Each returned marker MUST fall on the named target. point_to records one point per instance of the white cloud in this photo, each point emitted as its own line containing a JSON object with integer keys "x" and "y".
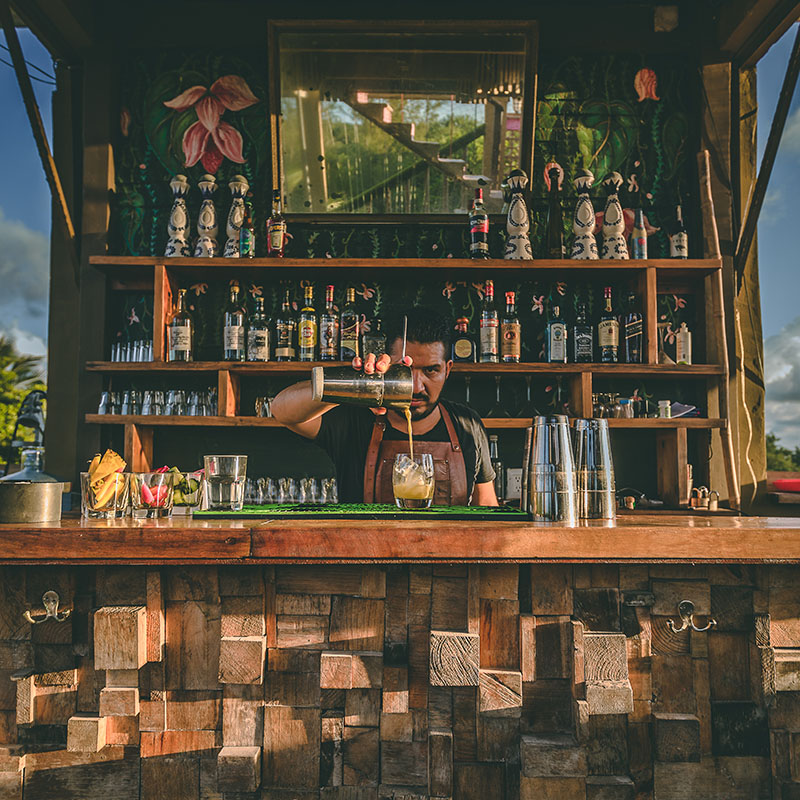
{"x": 24, "y": 285}
{"x": 791, "y": 133}
{"x": 782, "y": 377}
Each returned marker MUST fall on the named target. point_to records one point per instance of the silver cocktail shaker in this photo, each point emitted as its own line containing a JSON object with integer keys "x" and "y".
{"x": 391, "y": 389}
{"x": 551, "y": 472}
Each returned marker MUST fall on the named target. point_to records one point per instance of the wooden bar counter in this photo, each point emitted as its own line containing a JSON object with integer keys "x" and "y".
{"x": 338, "y": 660}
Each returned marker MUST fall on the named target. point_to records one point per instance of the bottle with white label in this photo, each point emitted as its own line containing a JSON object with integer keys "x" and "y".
{"x": 233, "y": 340}
{"x": 679, "y": 240}
{"x": 683, "y": 345}
{"x": 556, "y": 338}
{"x": 179, "y": 332}
{"x": 258, "y": 333}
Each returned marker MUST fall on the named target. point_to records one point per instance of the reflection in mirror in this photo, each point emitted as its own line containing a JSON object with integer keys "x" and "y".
{"x": 391, "y": 122}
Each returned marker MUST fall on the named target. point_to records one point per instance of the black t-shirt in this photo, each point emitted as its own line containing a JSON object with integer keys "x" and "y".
{"x": 345, "y": 432}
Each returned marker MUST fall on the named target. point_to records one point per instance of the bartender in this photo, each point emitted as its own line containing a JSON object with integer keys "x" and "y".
{"x": 363, "y": 442}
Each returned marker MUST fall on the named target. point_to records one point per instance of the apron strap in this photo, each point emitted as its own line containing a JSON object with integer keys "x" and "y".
{"x": 458, "y": 469}
{"x": 370, "y": 465}
{"x": 451, "y": 431}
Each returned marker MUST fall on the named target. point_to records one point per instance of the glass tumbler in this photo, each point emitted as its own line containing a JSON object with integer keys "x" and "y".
{"x": 224, "y": 482}
{"x": 413, "y": 481}
{"x": 152, "y": 494}
{"x": 107, "y": 499}
{"x": 594, "y": 470}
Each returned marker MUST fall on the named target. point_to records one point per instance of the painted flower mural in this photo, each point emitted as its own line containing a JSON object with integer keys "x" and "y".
{"x": 209, "y": 140}
{"x": 645, "y": 84}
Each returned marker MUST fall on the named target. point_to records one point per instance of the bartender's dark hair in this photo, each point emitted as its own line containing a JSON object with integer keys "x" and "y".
{"x": 426, "y": 325}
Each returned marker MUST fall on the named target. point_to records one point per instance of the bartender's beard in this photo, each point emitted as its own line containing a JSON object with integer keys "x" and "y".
{"x": 425, "y": 410}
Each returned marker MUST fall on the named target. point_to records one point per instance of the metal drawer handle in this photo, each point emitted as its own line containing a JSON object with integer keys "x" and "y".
{"x": 50, "y": 601}
{"x": 686, "y": 611}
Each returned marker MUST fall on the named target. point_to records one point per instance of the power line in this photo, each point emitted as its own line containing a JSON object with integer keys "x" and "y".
{"x": 32, "y": 77}
{"x": 31, "y": 64}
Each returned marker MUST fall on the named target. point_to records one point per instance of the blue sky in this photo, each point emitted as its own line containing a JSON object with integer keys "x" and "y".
{"x": 25, "y": 230}
{"x": 24, "y": 206}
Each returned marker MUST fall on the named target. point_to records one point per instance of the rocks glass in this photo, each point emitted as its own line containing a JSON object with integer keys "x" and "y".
{"x": 224, "y": 483}
{"x": 108, "y": 500}
{"x": 152, "y": 494}
{"x": 413, "y": 481}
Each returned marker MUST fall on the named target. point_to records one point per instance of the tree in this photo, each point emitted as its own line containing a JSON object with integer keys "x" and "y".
{"x": 19, "y": 374}
{"x": 779, "y": 458}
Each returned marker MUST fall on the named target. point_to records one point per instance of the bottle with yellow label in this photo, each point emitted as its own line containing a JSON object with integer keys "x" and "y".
{"x": 465, "y": 348}
{"x": 307, "y": 329}
{"x": 510, "y": 338}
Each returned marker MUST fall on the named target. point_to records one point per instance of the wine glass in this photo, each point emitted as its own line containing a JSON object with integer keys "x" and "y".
{"x": 528, "y": 409}
{"x": 497, "y": 409}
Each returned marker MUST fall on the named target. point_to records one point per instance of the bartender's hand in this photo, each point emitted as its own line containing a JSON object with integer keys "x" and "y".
{"x": 370, "y": 365}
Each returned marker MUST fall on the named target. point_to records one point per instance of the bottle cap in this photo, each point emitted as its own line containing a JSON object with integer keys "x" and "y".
{"x": 510, "y": 297}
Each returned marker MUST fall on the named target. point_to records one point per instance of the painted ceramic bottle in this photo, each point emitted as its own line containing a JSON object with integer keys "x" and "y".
{"x": 518, "y": 245}
{"x": 178, "y": 225}
{"x": 614, "y": 244}
{"x": 206, "y": 246}
{"x": 584, "y": 245}
{"x": 239, "y": 188}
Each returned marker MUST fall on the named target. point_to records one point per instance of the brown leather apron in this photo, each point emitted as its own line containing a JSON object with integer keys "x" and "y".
{"x": 449, "y": 470}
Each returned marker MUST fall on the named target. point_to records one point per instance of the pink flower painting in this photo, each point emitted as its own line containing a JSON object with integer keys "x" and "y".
{"x": 210, "y": 140}
{"x": 645, "y": 84}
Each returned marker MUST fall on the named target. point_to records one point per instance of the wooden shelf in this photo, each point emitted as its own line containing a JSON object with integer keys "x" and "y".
{"x": 297, "y": 368}
{"x": 493, "y": 423}
{"x": 698, "y": 266}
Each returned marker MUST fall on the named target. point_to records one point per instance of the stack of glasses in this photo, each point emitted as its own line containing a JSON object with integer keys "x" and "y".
{"x": 139, "y": 350}
{"x": 563, "y": 488}
{"x": 312, "y": 491}
{"x": 174, "y": 402}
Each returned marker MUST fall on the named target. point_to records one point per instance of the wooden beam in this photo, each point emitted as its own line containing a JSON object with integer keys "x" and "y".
{"x": 748, "y": 28}
{"x": 63, "y": 26}
{"x": 748, "y": 230}
{"x": 39, "y": 135}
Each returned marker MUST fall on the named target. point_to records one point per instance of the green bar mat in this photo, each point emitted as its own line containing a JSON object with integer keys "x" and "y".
{"x": 367, "y": 511}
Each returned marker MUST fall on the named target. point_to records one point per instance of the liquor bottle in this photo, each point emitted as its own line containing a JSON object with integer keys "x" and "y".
{"x": 511, "y": 337}
{"x": 489, "y": 325}
{"x": 555, "y": 339}
{"x": 247, "y": 233}
{"x": 329, "y": 329}
{"x": 555, "y": 219}
{"x": 374, "y": 340}
{"x": 608, "y": 332}
{"x": 582, "y": 338}
{"x": 258, "y": 333}
{"x": 464, "y": 347}
{"x": 478, "y": 228}
{"x": 683, "y": 345}
{"x": 349, "y": 328}
{"x": 633, "y": 333}
{"x": 276, "y": 228}
{"x": 285, "y": 329}
{"x": 638, "y": 248}
{"x": 679, "y": 240}
{"x": 307, "y": 329}
{"x": 233, "y": 340}
{"x": 497, "y": 466}
{"x": 179, "y": 332}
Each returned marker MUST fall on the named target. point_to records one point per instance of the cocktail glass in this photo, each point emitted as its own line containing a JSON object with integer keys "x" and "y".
{"x": 413, "y": 481}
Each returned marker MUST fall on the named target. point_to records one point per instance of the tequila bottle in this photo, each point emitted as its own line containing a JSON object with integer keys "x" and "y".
{"x": 233, "y": 339}
{"x": 179, "y": 332}
{"x": 258, "y": 333}
{"x": 489, "y": 327}
{"x": 285, "y": 330}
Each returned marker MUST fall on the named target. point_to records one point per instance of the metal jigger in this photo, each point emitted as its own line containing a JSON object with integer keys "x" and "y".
{"x": 392, "y": 389}
{"x": 551, "y": 473}
{"x": 594, "y": 470}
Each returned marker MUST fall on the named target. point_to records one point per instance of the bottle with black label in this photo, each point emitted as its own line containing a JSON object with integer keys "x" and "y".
{"x": 258, "y": 333}
{"x": 478, "y": 228}
{"x": 633, "y": 332}
{"x": 179, "y": 332}
{"x": 608, "y": 332}
{"x": 276, "y": 228}
{"x": 489, "y": 351}
{"x": 679, "y": 240}
{"x": 349, "y": 328}
{"x": 285, "y": 331}
{"x": 555, "y": 340}
{"x": 497, "y": 466}
{"x": 582, "y": 338}
{"x": 307, "y": 329}
{"x": 510, "y": 332}
{"x": 233, "y": 340}
{"x": 464, "y": 347}
{"x": 329, "y": 329}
